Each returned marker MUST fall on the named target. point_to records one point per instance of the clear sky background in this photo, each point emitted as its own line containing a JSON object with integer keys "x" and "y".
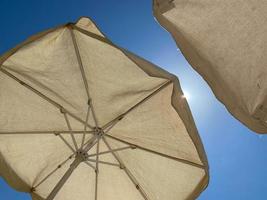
{"x": 237, "y": 156}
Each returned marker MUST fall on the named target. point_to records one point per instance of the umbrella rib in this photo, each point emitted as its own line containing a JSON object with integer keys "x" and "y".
{"x": 64, "y": 178}
{"x": 44, "y": 132}
{"x": 93, "y": 35}
{"x": 115, "y": 120}
{"x": 104, "y": 162}
{"x": 86, "y": 122}
{"x": 70, "y": 129}
{"x": 109, "y": 127}
{"x": 57, "y": 105}
{"x": 79, "y": 62}
{"x": 110, "y": 151}
{"x": 65, "y": 141}
{"x": 158, "y": 153}
{"x": 79, "y": 59}
{"x": 52, "y": 172}
{"x": 97, "y": 169}
{"x": 128, "y": 173}
{"x": 72, "y": 167}
{"x": 90, "y": 165}
{"x": 89, "y": 144}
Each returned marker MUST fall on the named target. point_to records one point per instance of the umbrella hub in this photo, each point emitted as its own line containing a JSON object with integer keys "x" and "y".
{"x": 98, "y": 131}
{"x": 81, "y": 155}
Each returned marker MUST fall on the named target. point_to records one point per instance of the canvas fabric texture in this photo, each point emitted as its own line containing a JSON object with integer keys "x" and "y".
{"x": 41, "y": 79}
{"x": 226, "y": 43}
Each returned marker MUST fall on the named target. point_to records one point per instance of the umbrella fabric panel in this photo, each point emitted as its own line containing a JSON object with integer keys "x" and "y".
{"x": 113, "y": 181}
{"x": 178, "y": 101}
{"x": 31, "y": 158}
{"x": 22, "y": 110}
{"x": 155, "y": 125}
{"x": 154, "y": 172}
{"x": 225, "y": 41}
{"x": 86, "y": 24}
{"x": 50, "y": 66}
{"x": 115, "y": 82}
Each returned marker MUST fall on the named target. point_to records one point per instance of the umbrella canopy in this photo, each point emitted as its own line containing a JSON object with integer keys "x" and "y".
{"x": 81, "y": 118}
{"x": 226, "y": 42}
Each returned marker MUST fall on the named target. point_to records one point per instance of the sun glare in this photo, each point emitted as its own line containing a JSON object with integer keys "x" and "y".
{"x": 186, "y": 95}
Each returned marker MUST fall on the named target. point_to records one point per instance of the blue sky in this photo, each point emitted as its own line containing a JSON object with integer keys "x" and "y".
{"x": 237, "y": 156}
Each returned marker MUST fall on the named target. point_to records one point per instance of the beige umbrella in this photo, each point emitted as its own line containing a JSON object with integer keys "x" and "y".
{"x": 82, "y": 119}
{"x": 226, "y": 42}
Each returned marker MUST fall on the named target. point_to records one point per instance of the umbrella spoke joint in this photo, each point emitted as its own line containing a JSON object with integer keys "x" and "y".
{"x": 62, "y": 110}
{"x": 89, "y": 102}
{"x": 32, "y": 190}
